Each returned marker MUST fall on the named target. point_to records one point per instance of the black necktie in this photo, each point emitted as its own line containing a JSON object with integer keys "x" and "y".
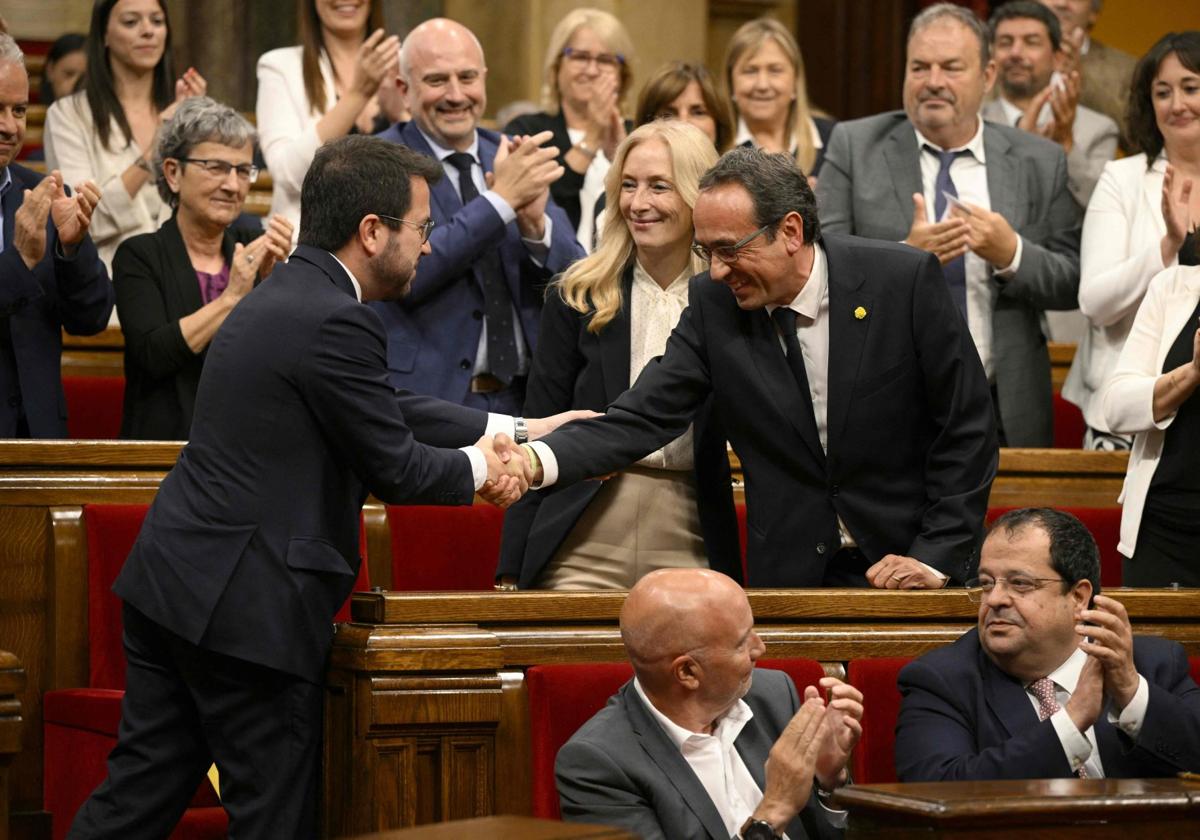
{"x": 785, "y": 319}
{"x": 497, "y": 299}
{"x": 955, "y": 271}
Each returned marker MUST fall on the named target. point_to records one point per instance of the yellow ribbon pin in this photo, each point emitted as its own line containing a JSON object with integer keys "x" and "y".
{"x": 860, "y": 312}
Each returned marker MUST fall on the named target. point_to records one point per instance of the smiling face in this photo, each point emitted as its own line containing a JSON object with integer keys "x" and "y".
{"x": 1175, "y": 93}
{"x": 344, "y": 17}
{"x": 1027, "y": 636}
{"x": 764, "y": 85}
{"x": 136, "y": 34}
{"x": 210, "y": 200}
{"x": 397, "y": 265}
{"x": 444, "y": 86}
{"x": 14, "y": 103}
{"x": 944, "y": 83}
{"x": 729, "y": 657}
{"x": 689, "y": 107}
{"x": 1024, "y": 57}
{"x": 657, "y": 216}
{"x": 576, "y": 80}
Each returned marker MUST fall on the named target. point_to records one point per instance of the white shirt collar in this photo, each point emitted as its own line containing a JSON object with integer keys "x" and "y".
{"x": 1066, "y": 675}
{"x": 808, "y": 301}
{"x": 353, "y": 279}
{"x": 441, "y": 152}
{"x": 727, "y": 729}
{"x": 974, "y": 146}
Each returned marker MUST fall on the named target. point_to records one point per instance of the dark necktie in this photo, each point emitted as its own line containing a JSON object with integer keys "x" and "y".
{"x": 785, "y": 319}
{"x": 955, "y": 271}
{"x": 497, "y": 299}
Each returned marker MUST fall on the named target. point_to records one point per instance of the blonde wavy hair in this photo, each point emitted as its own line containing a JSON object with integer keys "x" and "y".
{"x": 749, "y": 37}
{"x": 607, "y": 28}
{"x": 594, "y": 283}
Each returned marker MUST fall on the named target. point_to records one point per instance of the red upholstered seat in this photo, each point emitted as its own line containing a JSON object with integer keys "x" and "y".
{"x": 80, "y": 724}
{"x": 447, "y": 548}
{"x": 1069, "y": 425}
{"x": 873, "y": 761}
{"x": 1105, "y": 525}
{"x": 1194, "y": 662}
{"x": 563, "y": 698}
{"x": 94, "y": 406}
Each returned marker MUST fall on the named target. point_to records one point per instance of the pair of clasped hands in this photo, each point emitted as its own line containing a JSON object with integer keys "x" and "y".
{"x": 511, "y": 470}
{"x": 71, "y": 214}
{"x": 966, "y": 227}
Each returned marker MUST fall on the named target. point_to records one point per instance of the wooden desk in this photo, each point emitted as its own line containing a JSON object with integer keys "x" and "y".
{"x": 1040, "y": 808}
{"x": 504, "y": 828}
{"x": 12, "y": 681}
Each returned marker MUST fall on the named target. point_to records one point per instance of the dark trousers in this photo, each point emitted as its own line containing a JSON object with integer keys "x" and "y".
{"x": 184, "y": 708}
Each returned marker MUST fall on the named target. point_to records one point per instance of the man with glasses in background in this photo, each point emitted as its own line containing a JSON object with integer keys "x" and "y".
{"x": 1052, "y": 683}
{"x": 846, "y": 382}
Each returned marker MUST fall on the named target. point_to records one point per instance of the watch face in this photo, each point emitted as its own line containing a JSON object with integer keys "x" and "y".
{"x": 758, "y": 830}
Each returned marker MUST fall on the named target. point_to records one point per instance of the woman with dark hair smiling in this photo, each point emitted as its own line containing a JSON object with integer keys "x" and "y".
{"x": 684, "y": 90}
{"x": 107, "y": 132}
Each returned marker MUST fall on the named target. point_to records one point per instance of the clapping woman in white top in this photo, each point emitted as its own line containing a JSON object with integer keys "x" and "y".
{"x": 320, "y": 90}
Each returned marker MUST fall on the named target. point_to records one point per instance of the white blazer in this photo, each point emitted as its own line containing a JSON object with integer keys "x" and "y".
{"x": 74, "y": 147}
{"x": 287, "y": 125}
{"x": 1127, "y": 398}
{"x": 1119, "y": 254}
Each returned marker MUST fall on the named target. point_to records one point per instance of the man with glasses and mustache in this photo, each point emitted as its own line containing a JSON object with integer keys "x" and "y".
{"x": 844, "y": 378}
{"x": 1052, "y": 683}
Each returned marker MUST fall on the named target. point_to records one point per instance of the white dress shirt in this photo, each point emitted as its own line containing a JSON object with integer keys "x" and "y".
{"x": 590, "y": 192}
{"x": 653, "y": 314}
{"x": 969, "y": 174}
{"x": 1080, "y": 747}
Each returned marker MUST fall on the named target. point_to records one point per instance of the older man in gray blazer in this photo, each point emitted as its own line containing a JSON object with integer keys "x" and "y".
{"x": 990, "y": 201}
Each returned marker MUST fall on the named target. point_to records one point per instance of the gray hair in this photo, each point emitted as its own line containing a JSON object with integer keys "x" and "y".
{"x": 9, "y": 51}
{"x": 942, "y": 11}
{"x": 197, "y": 120}
{"x": 775, "y": 184}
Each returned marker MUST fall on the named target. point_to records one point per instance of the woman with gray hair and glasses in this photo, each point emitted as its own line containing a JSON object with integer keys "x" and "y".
{"x": 176, "y": 286}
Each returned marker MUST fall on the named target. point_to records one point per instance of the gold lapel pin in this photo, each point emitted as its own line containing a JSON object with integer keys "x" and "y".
{"x": 860, "y": 312}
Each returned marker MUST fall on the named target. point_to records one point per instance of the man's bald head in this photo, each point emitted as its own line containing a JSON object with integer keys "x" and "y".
{"x": 442, "y": 76}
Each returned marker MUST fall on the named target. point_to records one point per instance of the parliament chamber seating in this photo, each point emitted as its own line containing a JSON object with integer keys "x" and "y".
{"x": 1068, "y": 424}
{"x": 94, "y": 406}
{"x": 873, "y": 762}
{"x": 444, "y": 548}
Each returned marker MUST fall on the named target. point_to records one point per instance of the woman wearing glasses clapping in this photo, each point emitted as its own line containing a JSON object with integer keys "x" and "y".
{"x": 605, "y": 319}
{"x": 588, "y": 70}
{"x": 176, "y": 286}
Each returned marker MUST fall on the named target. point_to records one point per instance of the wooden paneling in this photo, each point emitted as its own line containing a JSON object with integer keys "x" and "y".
{"x": 12, "y": 727}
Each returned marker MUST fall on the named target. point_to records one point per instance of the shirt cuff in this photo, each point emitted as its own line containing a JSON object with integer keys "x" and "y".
{"x": 539, "y": 249}
{"x": 1013, "y": 267}
{"x": 497, "y": 423}
{"x": 549, "y": 464}
{"x": 942, "y": 576}
{"x": 1075, "y": 744}
{"x": 503, "y": 208}
{"x": 478, "y": 465}
{"x": 1132, "y": 716}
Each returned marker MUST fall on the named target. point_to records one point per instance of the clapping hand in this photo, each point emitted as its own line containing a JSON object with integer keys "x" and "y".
{"x": 843, "y": 715}
{"x": 276, "y": 244}
{"x": 946, "y": 240}
{"x": 1176, "y": 210}
{"x": 72, "y": 214}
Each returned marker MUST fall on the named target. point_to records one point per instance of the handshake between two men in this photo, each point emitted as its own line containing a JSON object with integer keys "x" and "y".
{"x": 513, "y": 468}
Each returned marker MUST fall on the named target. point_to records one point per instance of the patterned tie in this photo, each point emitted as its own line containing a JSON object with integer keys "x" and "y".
{"x": 955, "y": 271}
{"x": 1043, "y": 690}
{"x": 497, "y": 299}
{"x": 785, "y": 319}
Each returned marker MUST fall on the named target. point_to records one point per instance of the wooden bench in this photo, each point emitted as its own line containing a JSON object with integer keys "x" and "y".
{"x": 12, "y": 727}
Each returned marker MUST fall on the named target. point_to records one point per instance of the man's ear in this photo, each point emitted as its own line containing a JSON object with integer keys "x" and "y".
{"x": 371, "y": 236}
{"x": 1081, "y": 594}
{"x": 792, "y": 231}
{"x": 687, "y": 671}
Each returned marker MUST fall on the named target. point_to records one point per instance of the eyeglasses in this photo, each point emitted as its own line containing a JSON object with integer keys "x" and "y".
{"x": 1018, "y": 585}
{"x": 728, "y": 254}
{"x": 582, "y": 58}
{"x": 425, "y": 227}
{"x": 247, "y": 172}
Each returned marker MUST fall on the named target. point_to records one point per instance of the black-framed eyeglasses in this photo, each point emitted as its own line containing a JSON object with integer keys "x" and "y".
{"x": 728, "y": 254}
{"x": 605, "y": 61}
{"x": 425, "y": 227}
{"x": 247, "y": 172}
{"x": 1017, "y": 585}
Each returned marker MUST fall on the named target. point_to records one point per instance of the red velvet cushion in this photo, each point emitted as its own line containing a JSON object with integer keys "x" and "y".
{"x": 740, "y": 509}
{"x": 1105, "y": 525}
{"x": 111, "y": 532}
{"x": 450, "y": 548}
{"x": 202, "y": 823}
{"x": 1069, "y": 425}
{"x": 95, "y": 710}
{"x": 94, "y": 406}
{"x": 873, "y": 761}
{"x": 363, "y": 583}
{"x": 1194, "y": 661}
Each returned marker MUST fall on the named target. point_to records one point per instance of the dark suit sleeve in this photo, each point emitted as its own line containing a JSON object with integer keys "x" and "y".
{"x": 455, "y": 245}
{"x": 1170, "y": 733}
{"x": 344, "y": 383}
{"x": 437, "y": 422}
{"x": 592, "y": 788}
{"x": 835, "y": 187}
{"x": 962, "y": 458}
{"x": 154, "y": 341}
{"x": 936, "y": 736}
{"x": 655, "y": 411}
{"x": 1048, "y": 277}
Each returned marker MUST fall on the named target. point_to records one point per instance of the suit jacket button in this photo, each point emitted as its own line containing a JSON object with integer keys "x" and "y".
{"x": 465, "y": 364}
{"x": 820, "y": 548}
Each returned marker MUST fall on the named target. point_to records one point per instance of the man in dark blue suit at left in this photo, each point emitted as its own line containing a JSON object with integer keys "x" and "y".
{"x": 51, "y": 278}
{"x": 467, "y": 330}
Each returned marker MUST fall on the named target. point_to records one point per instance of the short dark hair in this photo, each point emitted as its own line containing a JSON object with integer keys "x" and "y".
{"x": 60, "y": 49}
{"x": 775, "y": 184}
{"x": 1073, "y": 551}
{"x": 1020, "y": 9}
{"x": 963, "y": 15}
{"x": 1140, "y": 123}
{"x": 353, "y": 176}
{"x": 670, "y": 80}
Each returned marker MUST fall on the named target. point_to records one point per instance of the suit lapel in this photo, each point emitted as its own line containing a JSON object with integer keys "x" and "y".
{"x": 614, "y": 343}
{"x": 1003, "y": 174}
{"x": 446, "y": 202}
{"x": 847, "y": 336}
{"x": 904, "y": 163}
{"x": 762, "y": 340}
{"x": 663, "y": 752}
{"x": 1006, "y": 698}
